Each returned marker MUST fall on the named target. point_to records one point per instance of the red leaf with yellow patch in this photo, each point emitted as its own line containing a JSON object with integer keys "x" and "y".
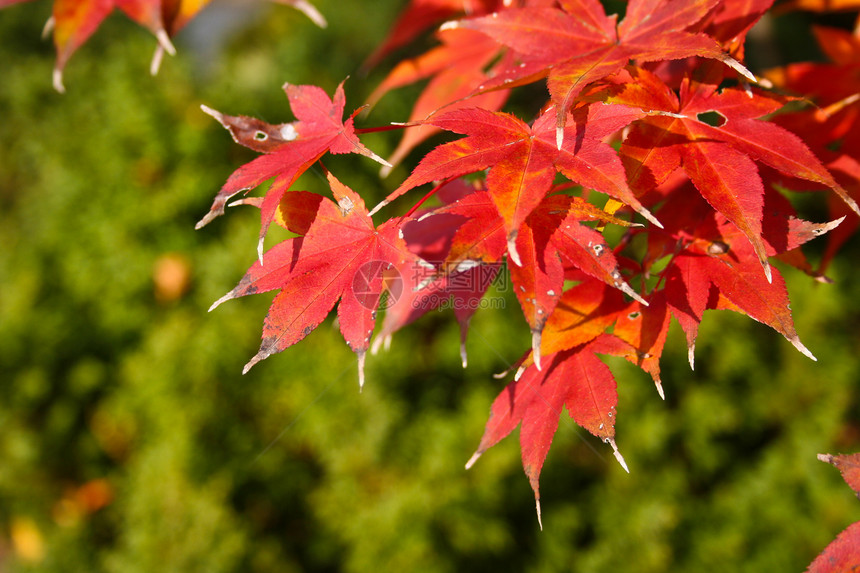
{"x": 639, "y": 335}
{"x": 342, "y": 256}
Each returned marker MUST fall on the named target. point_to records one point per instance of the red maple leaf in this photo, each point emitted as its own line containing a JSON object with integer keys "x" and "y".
{"x": 459, "y": 246}
{"x": 457, "y": 68}
{"x": 288, "y": 149}
{"x": 340, "y": 255}
{"x": 554, "y": 239}
{"x": 718, "y": 159}
{"x": 848, "y": 465}
{"x": 709, "y": 262}
{"x": 831, "y": 128}
{"x": 639, "y": 335}
{"x": 465, "y": 241}
{"x": 730, "y": 20}
{"x": 728, "y": 23}
{"x": 523, "y": 159}
{"x": 419, "y": 16}
{"x": 583, "y": 313}
{"x": 575, "y": 379}
{"x": 718, "y": 270}
{"x": 551, "y": 240}
{"x": 843, "y": 553}
{"x": 579, "y": 44}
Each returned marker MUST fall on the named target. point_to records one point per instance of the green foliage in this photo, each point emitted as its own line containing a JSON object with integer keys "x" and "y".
{"x": 289, "y": 468}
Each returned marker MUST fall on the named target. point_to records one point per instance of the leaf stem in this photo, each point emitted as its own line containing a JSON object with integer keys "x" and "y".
{"x": 424, "y": 198}
{"x": 389, "y": 127}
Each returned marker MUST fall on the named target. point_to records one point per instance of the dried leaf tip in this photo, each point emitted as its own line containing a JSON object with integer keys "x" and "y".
{"x": 308, "y": 10}
{"x": 651, "y": 218}
{"x": 767, "y": 272}
{"x": 463, "y": 356}
{"x": 795, "y": 340}
{"x": 618, "y": 455}
{"x": 473, "y": 459}
{"x": 360, "y": 371}
{"x": 628, "y": 290}
{"x": 536, "y": 336}
{"x": 260, "y": 250}
{"x": 827, "y": 227}
{"x": 164, "y": 45}
{"x": 852, "y": 204}
{"x": 381, "y": 204}
{"x": 48, "y": 27}
{"x": 739, "y": 67}
{"x": 765, "y": 83}
{"x": 164, "y": 42}
{"x": 220, "y": 301}
{"x": 206, "y": 220}
{"x": 659, "y": 384}
{"x": 503, "y": 374}
{"x": 512, "y": 250}
{"x": 691, "y": 357}
{"x": 537, "y": 507}
{"x": 219, "y": 117}
{"x": 58, "y": 81}
{"x": 157, "y": 56}
{"x": 386, "y": 166}
{"x": 261, "y": 355}
{"x": 379, "y": 342}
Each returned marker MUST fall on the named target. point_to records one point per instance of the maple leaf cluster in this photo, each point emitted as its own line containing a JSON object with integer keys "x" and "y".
{"x": 655, "y": 113}
{"x": 651, "y": 122}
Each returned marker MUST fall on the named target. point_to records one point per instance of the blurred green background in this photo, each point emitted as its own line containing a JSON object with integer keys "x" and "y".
{"x": 130, "y": 441}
